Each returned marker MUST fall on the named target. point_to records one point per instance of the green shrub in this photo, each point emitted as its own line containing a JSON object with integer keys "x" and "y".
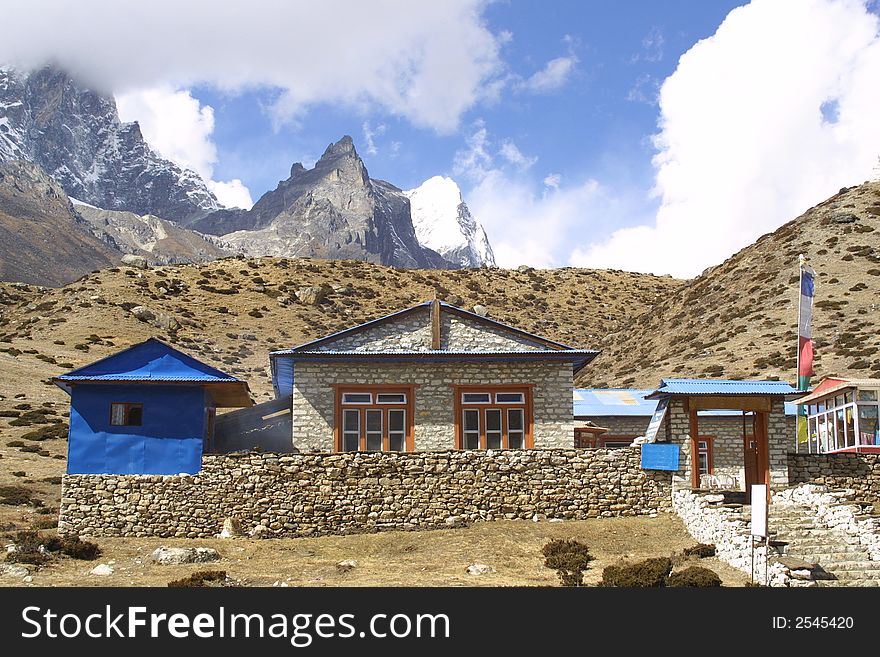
{"x": 44, "y": 523}
{"x": 701, "y": 550}
{"x": 27, "y": 549}
{"x": 694, "y": 576}
{"x": 201, "y": 578}
{"x": 569, "y": 558}
{"x": 648, "y": 573}
{"x": 15, "y": 443}
{"x": 51, "y": 432}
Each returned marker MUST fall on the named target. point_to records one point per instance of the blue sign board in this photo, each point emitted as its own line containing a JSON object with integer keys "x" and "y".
{"x": 659, "y": 456}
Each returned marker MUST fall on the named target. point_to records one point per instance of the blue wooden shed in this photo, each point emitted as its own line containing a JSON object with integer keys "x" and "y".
{"x": 148, "y": 409}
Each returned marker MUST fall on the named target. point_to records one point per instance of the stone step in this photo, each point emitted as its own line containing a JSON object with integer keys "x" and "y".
{"x": 832, "y": 583}
{"x": 864, "y": 566}
{"x": 827, "y": 546}
{"x": 828, "y": 557}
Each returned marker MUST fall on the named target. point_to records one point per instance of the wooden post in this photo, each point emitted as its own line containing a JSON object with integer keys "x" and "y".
{"x": 694, "y": 431}
{"x": 435, "y": 323}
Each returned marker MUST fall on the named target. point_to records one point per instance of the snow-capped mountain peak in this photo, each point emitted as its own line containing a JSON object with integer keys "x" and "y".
{"x": 444, "y": 223}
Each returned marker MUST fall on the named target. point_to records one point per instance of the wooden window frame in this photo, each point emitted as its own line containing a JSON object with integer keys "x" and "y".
{"x": 409, "y": 417}
{"x": 527, "y": 406}
{"x": 710, "y": 454}
{"x": 127, "y": 406}
{"x": 615, "y": 438}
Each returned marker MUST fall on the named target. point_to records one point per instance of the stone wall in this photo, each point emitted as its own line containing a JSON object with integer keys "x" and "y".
{"x": 314, "y": 401}
{"x": 412, "y": 332}
{"x": 859, "y": 472}
{"x": 313, "y": 494}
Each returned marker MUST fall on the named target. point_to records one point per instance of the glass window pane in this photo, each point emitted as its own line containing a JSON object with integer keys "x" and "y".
{"x": 704, "y": 463}
{"x": 472, "y": 441}
{"x": 374, "y": 442}
{"x": 395, "y": 442}
{"x": 493, "y": 440}
{"x": 509, "y": 398}
{"x": 374, "y": 420}
{"x": 868, "y": 426}
{"x": 117, "y": 414}
{"x": 472, "y": 420}
{"x": 351, "y": 420}
{"x": 390, "y": 398}
{"x": 515, "y": 419}
{"x": 396, "y": 420}
{"x": 493, "y": 419}
{"x": 475, "y": 398}
{"x": 357, "y": 398}
{"x": 135, "y": 415}
{"x": 350, "y": 442}
{"x": 847, "y": 397}
{"x": 515, "y": 440}
{"x": 867, "y": 395}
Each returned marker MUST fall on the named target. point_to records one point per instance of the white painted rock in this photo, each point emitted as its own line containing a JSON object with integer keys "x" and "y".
{"x": 231, "y": 528}
{"x": 346, "y": 565}
{"x": 102, "y": 569}
{"x": 176, "y": 555}
{"x": 479, "y": 569}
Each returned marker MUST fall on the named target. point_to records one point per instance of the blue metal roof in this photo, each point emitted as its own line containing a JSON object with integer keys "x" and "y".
{"x": 721, "y": 387}
{"x": 152, "y": 360}
{"x": 630, "y": 402}
{"x": 599, "y": 402}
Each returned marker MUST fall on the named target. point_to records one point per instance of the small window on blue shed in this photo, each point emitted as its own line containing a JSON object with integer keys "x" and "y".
{"x": 126, "y": 415}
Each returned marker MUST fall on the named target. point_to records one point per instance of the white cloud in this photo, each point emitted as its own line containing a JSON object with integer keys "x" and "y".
{"x": 527, "y": 223}
{"x": 553, "y": 180}
{"x": 179, "y": 128}
{"x": 550, "y": 78}
{"x": 652, "y": 47}
{"x": 370, "y": 134}
{"x": 392, "y": 55}
{"x": 743, "y": 145}
{"x": 510, "y": 152}
{"x": 232, "y": 193}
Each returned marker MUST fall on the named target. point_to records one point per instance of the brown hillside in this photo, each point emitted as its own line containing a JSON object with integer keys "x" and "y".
{"x": 232, "y": 312}
{"x": 739, "y": 319}
{"x": 42, "y": 240}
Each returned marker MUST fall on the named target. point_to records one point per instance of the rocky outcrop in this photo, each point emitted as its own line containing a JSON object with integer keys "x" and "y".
{"x": 333, "y": 210}
{"x": 155, "y": 240}
{"x": 43, "y": 240}
{"x": 74, "y": 133}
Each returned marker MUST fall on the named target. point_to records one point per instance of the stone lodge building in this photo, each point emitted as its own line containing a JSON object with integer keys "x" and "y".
{"x": 432, "y": 377}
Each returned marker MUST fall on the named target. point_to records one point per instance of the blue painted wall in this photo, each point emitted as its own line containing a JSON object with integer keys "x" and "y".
{"x": 168, "y": 442}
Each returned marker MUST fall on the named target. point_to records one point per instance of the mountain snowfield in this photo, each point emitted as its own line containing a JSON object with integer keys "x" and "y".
{"x": 444, "y": 223}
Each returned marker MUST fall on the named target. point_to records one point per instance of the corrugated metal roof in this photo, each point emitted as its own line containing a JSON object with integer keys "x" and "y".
{"x": 721, "y": 387}
{"x": 630, "y": 402}
{"x": 599, "y": 402}
{"x": 438, "y": 352}
{"x": 834, "y": 384}
{"x": 151, "y": 360}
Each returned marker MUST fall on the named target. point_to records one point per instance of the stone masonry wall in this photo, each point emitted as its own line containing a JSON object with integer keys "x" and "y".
{"x": 313, "y": 494}
{"x": 859, "y": 472}
{"x": 412, "y": 332}
{"x": 729, "y": 445}
{"x": 314, "y": 402}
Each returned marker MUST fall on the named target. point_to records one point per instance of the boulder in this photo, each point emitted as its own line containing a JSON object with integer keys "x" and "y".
{"x": 13, "y": 570}
{"x": 311, "y": 296}
{"x": 479, "y": 569}
{"x": 482, "y": 311}
{"x": 178, "y": 555}
{"x": 156, "y": 318}
{"x": 102, "y": 570}
{"x": 139, "y": 262}
{"x": 346, "y": 565}
{"x": 260, "y": 531}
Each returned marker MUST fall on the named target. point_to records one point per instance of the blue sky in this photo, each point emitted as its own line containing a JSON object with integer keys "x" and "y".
{"x": 639, "y": 135}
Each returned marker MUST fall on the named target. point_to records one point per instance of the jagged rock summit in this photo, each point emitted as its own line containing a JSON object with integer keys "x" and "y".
{"x": 444, "y": 223}
{"x": 333, "y": 210}
{"x": 74, "y": 133}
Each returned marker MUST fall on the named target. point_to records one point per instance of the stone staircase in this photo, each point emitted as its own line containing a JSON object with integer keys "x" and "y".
{"x": 816, "y": 554}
